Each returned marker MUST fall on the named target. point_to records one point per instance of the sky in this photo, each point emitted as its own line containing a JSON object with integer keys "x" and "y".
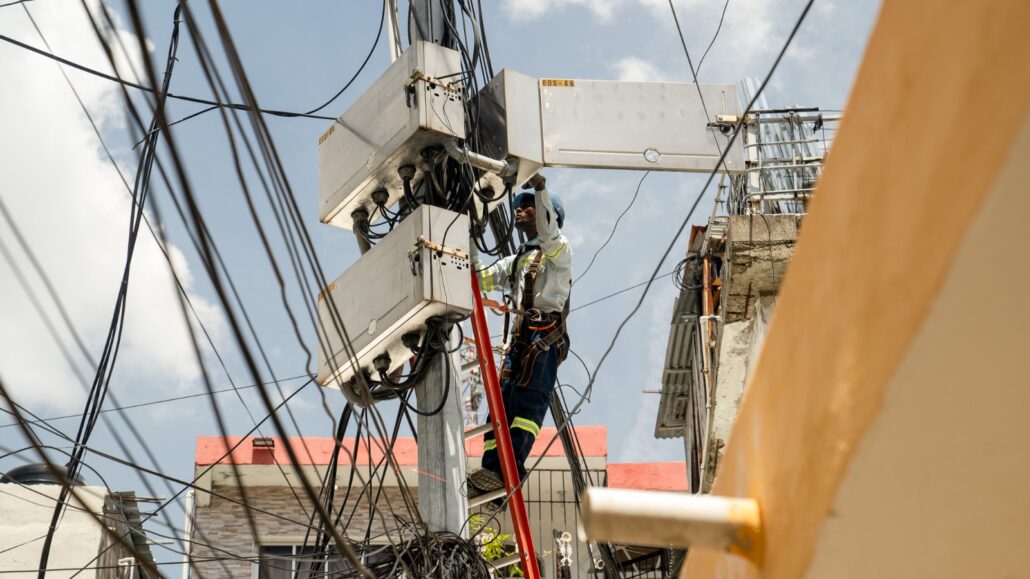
{"x": 71, "y": 207}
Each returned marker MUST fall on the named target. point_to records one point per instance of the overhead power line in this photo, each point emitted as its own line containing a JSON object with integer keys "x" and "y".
{"x": 131, "y": 84}
{"x": 614, "y": 228}
{"x": 714, "y": 36}
{"x": 162, "y": 401}
{"x": 697, "y": 200}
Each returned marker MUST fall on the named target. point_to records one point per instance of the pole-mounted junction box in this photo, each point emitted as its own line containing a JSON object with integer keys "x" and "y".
{"x": 651, "y": 126}
{"x": 415, "y": 105}
{"x": 420, "y": 270}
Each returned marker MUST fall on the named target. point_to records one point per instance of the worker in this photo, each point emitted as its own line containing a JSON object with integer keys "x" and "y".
{"x": 537, "y": 280}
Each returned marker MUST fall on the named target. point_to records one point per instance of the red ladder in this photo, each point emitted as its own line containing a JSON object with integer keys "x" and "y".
{"x": 499, "y": 419}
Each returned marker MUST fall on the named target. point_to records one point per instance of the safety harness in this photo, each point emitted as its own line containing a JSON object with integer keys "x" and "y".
{"x": 528, "y": 319}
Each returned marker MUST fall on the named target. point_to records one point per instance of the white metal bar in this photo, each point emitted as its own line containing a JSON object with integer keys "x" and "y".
{"x": 478, "y": 161}
{"x": 393, "y": 29}
{"x": 504, "y": 562}
{"x": 677, "y": 520}
{"x": 478, "y": 430}
{"x": 486, "y": 498}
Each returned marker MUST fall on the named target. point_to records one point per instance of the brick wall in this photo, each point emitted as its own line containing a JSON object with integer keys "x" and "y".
{"x": 221, "y": 529}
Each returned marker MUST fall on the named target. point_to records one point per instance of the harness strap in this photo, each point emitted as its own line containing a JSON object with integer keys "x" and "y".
{"x": 529, "y": 291}
{"x": 511, "y": 288}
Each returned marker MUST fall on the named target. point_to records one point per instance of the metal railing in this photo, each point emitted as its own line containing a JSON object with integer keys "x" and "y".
{"x": 784, "y": 151}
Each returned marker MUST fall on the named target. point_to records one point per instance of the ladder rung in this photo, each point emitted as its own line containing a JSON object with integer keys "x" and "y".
{"x": 487, "y": 497}
{"x": 470, "y": 365}
{"x": 504, "y": 562}
{"x": 478, "y": 430}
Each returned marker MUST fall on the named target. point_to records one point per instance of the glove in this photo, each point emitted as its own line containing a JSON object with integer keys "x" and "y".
{"x": 537, "y": 182}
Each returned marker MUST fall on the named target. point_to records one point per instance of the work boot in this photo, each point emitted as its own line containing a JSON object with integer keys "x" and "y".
{"x": 483, "y": 481}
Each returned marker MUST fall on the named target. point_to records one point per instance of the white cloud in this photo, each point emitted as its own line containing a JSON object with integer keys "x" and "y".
{"x": 73, "y": 211}
{"x": 522, "y": 10}
{"x": 634, "y": 69}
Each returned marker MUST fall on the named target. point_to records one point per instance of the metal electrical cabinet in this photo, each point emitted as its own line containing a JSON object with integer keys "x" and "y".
{"x": 657, "y": 126}
{"x": 416, "y": 103}
{"x": 421, "y": 269}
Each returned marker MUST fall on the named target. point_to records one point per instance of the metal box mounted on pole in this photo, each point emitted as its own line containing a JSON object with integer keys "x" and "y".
{"x": 420, "y": 270}
{"x": 415, "y": 104}
{"x": 655, "y": 126}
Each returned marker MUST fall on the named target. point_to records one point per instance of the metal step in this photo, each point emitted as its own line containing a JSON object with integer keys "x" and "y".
{"x": 486, "y": 498}
{"x": 478, "y": 430}
{"x": 504, "y": 562}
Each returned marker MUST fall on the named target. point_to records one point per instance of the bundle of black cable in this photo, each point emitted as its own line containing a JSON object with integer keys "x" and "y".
{"x": 424, "y": 348}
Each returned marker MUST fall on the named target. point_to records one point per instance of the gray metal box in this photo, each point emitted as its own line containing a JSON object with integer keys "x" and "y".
{"x": 393, "y": 289}
{"x": 635, "y": 125}
{"x": 655, "y": 126}
{"x": 509, "y": 110}
{"x": 416, "y": 103}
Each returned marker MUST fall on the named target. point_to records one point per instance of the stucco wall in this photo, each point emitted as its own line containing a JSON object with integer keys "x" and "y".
{"x": 25, "y": 513}
{"x": 912, "y": 170}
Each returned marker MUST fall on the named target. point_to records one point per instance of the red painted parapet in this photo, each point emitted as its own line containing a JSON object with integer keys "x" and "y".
{"x": 523, "y": 535}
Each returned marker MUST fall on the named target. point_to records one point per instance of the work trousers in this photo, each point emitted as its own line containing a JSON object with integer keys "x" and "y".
{"x": 530, "y": 377}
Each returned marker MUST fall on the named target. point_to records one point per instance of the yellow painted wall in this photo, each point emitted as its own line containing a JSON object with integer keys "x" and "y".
{"x": 937, "y": 106}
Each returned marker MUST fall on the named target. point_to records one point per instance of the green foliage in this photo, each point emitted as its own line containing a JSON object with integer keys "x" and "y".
{"x": 493, "y": 545}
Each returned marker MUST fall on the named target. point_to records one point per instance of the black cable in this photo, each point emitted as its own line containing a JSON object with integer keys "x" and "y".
{"x": 592, "y": 375}
{"x": 622, "y": 291}
{"x": 714, "y": 36}
{"x": 368, "y": 57}
{"x": 67, "y": 488}
{"x": 129, "y": 84}
{"x": 193, "y": 483}
{"x": 736, "y": 131}
{"x": 614, "y": 228}
{"x": 262, "y": 132}
{"x": 161, "y": 401}
{"x": 102, "y": 378}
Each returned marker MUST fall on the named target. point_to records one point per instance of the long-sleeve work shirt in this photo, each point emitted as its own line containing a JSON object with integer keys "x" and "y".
{"x": 554, "y": 281}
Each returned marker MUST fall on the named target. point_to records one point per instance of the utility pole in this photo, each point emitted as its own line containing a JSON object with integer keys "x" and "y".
{"x": 441, "y": 436}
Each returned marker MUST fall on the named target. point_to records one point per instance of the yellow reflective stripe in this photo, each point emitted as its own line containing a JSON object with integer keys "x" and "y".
{"x": 555, "y": 253}
{"x": 489, "y": 445}
{"x": 487, "y": 280}
{"x": 527, "y": 425}
{"x": 522, "y": 262}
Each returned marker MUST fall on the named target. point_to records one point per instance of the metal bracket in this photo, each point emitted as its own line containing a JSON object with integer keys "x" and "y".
{"x": 433, "y": 246}
{"x": 417, "y": 75}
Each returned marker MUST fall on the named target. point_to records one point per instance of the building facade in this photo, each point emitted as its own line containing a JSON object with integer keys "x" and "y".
{"x": 276, "y": 524}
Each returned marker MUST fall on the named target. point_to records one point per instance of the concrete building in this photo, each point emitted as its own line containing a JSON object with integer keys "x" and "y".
{"x": 80, "y": 543}
{"x": 727, "y": 295}
{"x": 281, "y": 514}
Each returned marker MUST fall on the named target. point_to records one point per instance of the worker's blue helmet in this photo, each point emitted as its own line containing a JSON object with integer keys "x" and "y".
{"x": 559, "y": 207}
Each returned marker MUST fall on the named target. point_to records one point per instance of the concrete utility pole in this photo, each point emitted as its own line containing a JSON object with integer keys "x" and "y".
{"x": 441, "y": 436}
{"x": 427, "y": 21}
{"x": 441, "y": 447}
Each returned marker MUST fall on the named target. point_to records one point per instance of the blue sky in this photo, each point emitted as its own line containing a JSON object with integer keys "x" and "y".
{"x": 72, "y": 208}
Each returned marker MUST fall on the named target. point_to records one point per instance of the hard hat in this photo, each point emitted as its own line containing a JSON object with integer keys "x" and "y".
{"x": 556, "y": 202}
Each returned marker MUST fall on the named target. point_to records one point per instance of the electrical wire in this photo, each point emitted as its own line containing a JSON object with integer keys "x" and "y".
{"x": 67, "y": 489}
{"x": 593, "y": 375}
{"x": 108, "y": 357}
{"x": 354, "y": 77}
{"x": 129, "y": 84}
{"x": 701, "y": 193}
{"x": 718, "y": 29}
{"x": 614, "y": 228}
{"x": 619, "y": 292}
{"x": 162, "y": 401}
